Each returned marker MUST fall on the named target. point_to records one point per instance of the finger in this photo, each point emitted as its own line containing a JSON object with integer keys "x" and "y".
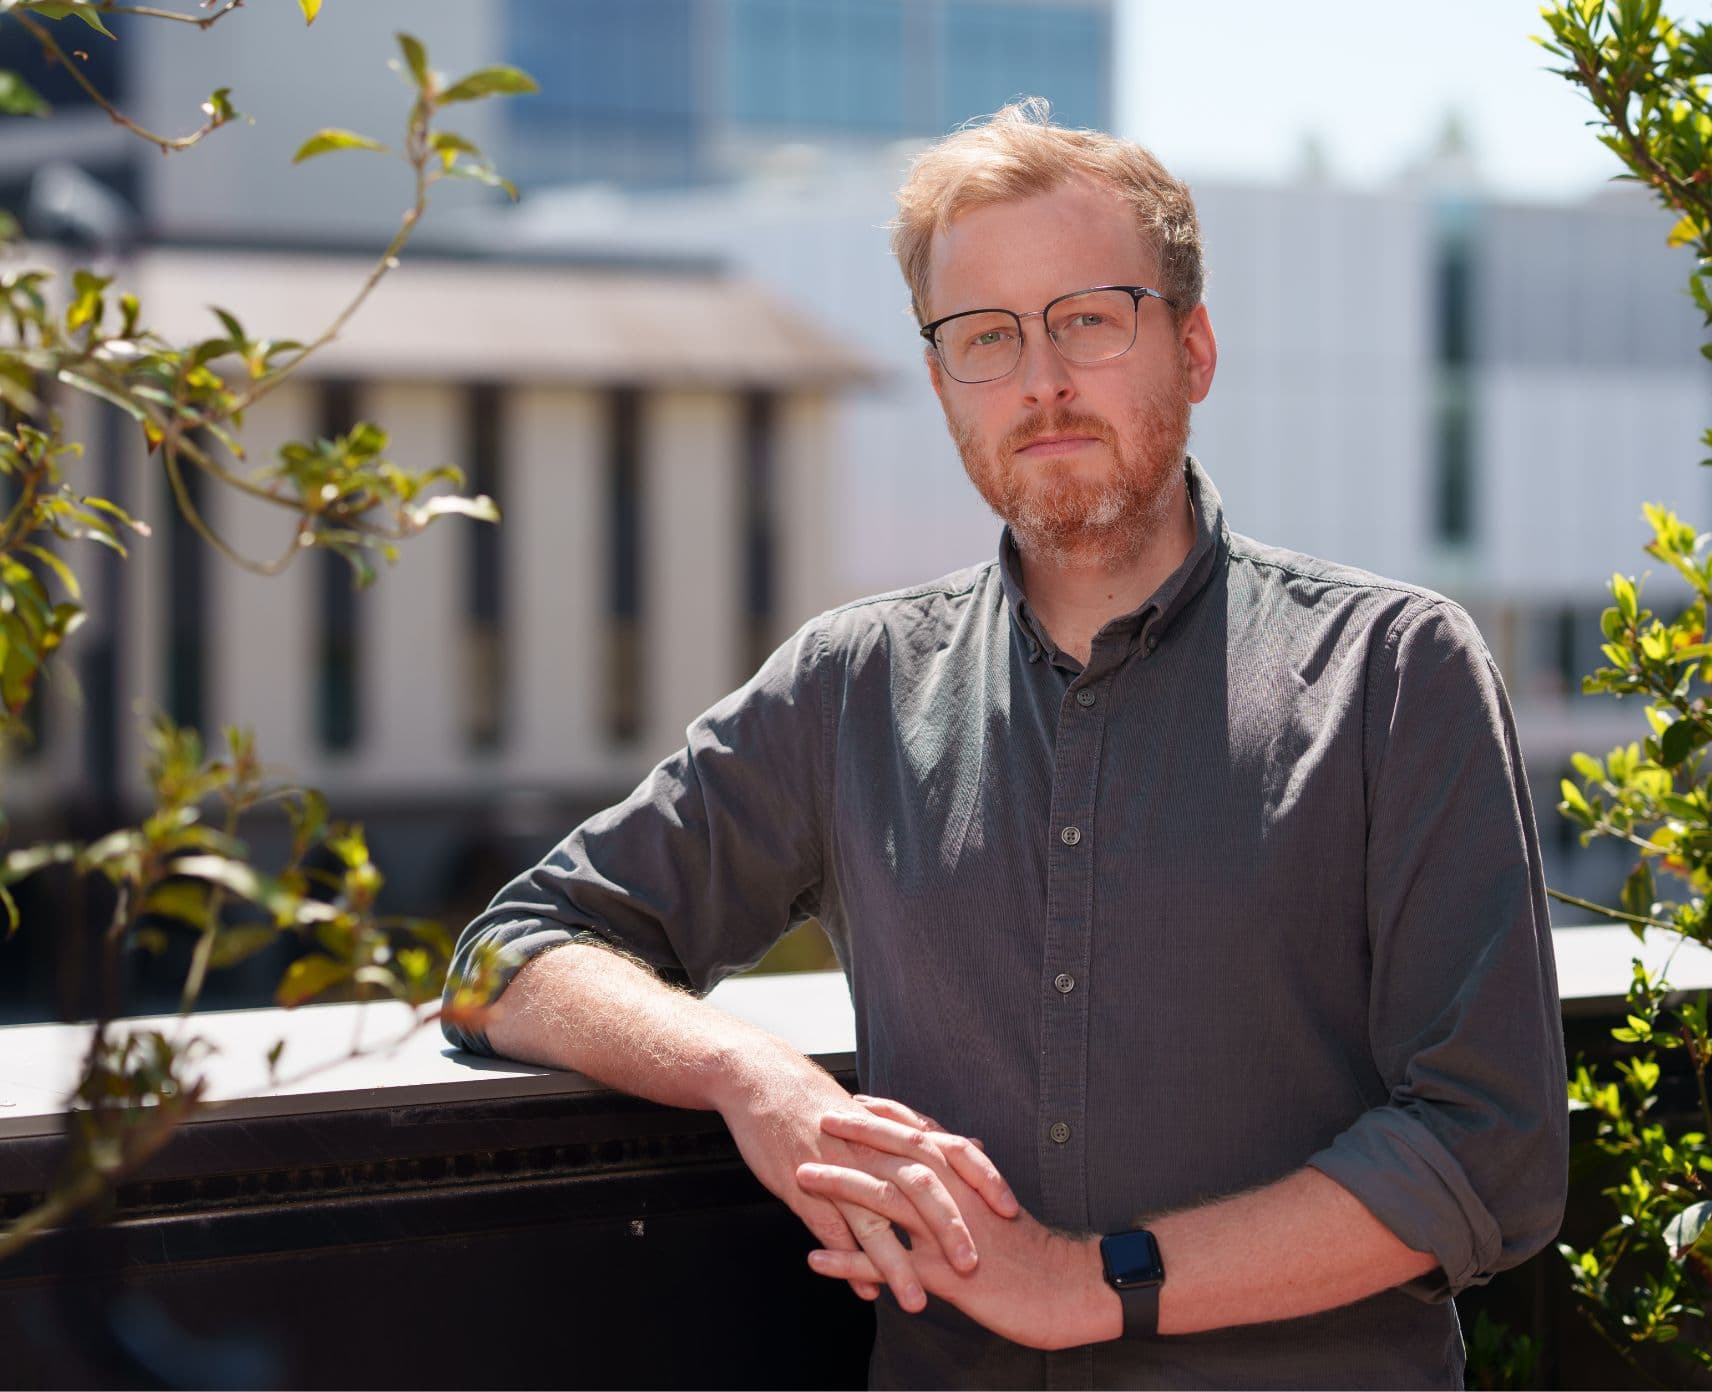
{"x": 824, "y": 1220}
{"x": 870, "y": 1206}
{"x": 844, "y": 1266}
{"x": 896, "y": 1111}
{"x": 972, "y": 1165}
{"x": 918, "y": 1182}
{"x": 922, "y": 1187}
{"x": 902, "y": 1139}
{"x": 889, "y": 1256}
{"x": 968, "y": 1161}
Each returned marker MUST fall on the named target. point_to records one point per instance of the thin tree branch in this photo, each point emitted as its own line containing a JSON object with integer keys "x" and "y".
{"x": 50, "y": 45}
{"x": 1617, "y": 914}
{"x": 200, "y": 21}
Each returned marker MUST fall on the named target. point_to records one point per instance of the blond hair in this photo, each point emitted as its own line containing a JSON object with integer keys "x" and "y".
{"x": 1017, "y": 153}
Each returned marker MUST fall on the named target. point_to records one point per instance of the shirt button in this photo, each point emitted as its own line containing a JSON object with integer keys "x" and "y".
{"x": 1084, "y": 697}
{"x": 1152, "y": 641}
{"x": 1070, "y": 835}
{"x": 1060, "y": 1133}
{"x": 1064, "y": 982}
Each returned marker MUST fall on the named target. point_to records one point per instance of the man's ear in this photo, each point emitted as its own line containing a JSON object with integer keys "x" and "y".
{"x": 1200, "y": 351}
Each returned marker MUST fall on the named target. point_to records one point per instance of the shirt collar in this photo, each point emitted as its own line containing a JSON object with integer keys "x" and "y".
{"x": 1148, "y": 623}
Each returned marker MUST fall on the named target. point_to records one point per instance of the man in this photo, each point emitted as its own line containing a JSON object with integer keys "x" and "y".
{"x": 1197, "y": 878}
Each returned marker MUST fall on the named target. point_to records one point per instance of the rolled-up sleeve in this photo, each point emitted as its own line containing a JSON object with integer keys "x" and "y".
{"x": 1467, "y": 1157}
{"x": 713, "y": 857}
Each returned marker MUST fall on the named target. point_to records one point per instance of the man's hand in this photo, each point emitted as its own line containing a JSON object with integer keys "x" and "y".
{"x": 1032, "y": 1286}
{"x": 779, "y": 1108}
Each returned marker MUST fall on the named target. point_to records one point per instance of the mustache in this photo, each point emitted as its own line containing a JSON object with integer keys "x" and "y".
{"x": 1056, "y": 423}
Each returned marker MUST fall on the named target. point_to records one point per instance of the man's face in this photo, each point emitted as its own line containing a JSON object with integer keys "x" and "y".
{"x": 1083, "y": 461}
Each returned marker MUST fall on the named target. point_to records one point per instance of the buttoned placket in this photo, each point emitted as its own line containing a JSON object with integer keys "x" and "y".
{"x": 1073, "y": 841}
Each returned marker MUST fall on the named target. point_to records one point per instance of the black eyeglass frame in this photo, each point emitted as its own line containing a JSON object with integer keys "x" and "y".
{"x": 1137, "y": 294}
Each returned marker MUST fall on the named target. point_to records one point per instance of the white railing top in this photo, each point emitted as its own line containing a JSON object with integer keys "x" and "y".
{"x": 396, "y": 1066}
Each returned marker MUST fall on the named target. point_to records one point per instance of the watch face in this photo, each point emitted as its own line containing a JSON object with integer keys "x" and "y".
{"x": 1132, "y": 1259}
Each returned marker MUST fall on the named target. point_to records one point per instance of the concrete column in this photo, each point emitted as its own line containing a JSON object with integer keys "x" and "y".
{"x": 554, "y": 505}
{"x": 261, "y": 655}
{"x": 410, "y": 734}
{"x": 802, "y": 481}
{"x": 691, "y": 544}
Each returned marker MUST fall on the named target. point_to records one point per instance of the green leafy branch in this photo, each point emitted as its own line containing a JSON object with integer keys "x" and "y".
{"x": 18, "y": 98}
{"x": 183, "y": 869}
{"x": 347, "y": 496}
{"x": 1645, "y": 1279}
{"x": 178, "y": 874}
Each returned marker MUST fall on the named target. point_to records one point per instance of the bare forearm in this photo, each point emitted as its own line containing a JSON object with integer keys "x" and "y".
{"x": 584, "y": 1008}
{"x": 1296, "y": 1247}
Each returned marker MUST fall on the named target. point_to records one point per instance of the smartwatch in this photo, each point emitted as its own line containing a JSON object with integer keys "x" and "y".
{"x": 1134, "y": 1270}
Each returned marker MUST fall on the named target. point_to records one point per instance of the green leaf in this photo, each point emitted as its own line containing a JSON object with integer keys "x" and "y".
{"x": 449, "y": 145}
{"x": 1687, "y": 1228}
{"x": 235, "y": 945}
{"x": 106, "y": 393}
{"x": 19, "y": 865}
{"x": 332, "y": 139}
{"x": 1623, "y": 589}
{"x": 307, "y": 978}
{"x": 80, "y": 8}
{"x": 57, "y": 566}
{"x": 1637, "y": 895}
{"x": 310, "y": 9}
{"x": 188, "y": 903}
{"x": 482, "y": 508}
{"x": 1678, "y": 742}
{"x": 18, "y": 98}
{"x": 489, "y": 82}
{"x": 218, "y": 108}
{"x": 231, "y": 874}
{"x": 1588, "y": 767}
{"x": 415, "y": 57}
{"x": 480, "y": 174}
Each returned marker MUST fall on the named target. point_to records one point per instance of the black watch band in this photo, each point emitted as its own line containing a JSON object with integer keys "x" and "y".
{"x": 1134, "y": 1270}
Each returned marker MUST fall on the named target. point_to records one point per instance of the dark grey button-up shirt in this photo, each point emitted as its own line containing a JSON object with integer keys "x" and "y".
{"x": 1257, "y": 888}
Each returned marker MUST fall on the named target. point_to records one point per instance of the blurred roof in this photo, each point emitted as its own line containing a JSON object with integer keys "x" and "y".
{"x": 463, "y": 319}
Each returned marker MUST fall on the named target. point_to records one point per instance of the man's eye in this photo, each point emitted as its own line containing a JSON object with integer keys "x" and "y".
{"x": 1088, "y": 319}
{"x": 990, "y": 338}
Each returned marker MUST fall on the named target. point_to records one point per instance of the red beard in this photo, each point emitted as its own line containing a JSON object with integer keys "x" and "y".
{"x": 1058, "y": 516}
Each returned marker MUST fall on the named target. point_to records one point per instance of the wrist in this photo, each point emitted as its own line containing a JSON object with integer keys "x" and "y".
{"x": 1095, "y": 1313}
{"x": 744, "y": 1066}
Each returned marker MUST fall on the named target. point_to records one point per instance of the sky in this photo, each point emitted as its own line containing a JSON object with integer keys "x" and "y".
{"x": 1238, "y": 89}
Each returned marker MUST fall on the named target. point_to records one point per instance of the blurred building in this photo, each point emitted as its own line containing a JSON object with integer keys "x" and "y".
{"x": 1428, "y": 381}
{"x": 664, "y": 92}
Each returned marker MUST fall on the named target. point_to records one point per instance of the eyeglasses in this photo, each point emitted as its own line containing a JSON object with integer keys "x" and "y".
{"x": 1086, "y": 326}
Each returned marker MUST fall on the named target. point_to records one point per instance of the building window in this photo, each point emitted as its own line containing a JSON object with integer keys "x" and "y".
{"x": 624, "y": 592}
{"x": 1453, "y": 462}
{"x": 339, "y": 605}
{"x": 484, "y": 595}
{"x": 805, "y": 63}
{"x": 1453, "y": 352}
{"x": 992, "y": 54}
{"x": 618, "y": 96}
{"x": 760, "y": 432}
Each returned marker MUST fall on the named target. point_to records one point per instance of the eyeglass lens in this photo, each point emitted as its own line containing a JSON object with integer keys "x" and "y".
{"x": 1089, "y": 327}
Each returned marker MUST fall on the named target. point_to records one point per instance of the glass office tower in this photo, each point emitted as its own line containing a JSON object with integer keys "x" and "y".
{"x": 672, "y": 92}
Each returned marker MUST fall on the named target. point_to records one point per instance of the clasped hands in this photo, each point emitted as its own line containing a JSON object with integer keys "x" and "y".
{"x": 970, "y": 1242}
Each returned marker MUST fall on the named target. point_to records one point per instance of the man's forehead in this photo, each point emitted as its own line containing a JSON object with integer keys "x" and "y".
{"x": 1081, "y": 231}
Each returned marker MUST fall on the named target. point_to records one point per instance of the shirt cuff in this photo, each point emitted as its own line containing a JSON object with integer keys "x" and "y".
{"x": 1407, "y": 1179}
{"x": 511, "y": 957}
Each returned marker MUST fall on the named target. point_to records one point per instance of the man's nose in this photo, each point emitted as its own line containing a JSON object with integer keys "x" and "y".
{"x": 1043, "y": 374}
